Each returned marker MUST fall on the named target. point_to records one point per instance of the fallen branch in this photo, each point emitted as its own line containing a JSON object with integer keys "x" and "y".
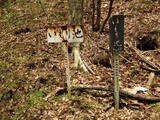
{"x": 150, "y": 69}
{"x": 89, "y": 69}
{"x": 157, "y": 68}
{"x": 150, "y": 80}
{"x": 122, "y": 92}
{"x": 157, "y": 50}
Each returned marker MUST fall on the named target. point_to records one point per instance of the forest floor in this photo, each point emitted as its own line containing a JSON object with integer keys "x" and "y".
{"x": 32, "y": 71}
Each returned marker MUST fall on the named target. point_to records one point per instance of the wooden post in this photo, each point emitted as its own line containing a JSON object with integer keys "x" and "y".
{"x": 116, "y": 25}
{"x": 116, "y": 79}
{"x": 65, "y": 35}
{"x": 65, "y": 46}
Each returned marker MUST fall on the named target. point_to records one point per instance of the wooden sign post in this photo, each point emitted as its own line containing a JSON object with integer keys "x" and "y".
{"x": 65, "y": 35}
{"x": 116, "y": 30}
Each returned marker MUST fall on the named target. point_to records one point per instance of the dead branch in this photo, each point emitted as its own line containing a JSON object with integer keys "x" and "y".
{"x": 150, "y": 69}
{"x": 122, "y": 92}
{"x": 140, "y": 97}
{"x": 143, "y": 58}
{"x": 150, "y": 79}
{"x": 157, "y": 50}
{"x": 125, "y": 58}
{"x": 89, "y": 69}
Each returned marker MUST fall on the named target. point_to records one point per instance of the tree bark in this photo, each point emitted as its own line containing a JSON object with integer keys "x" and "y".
{"x": 75, "y": 12}
{"x": 93, "y": 14}
{"x": 76, "y": 18}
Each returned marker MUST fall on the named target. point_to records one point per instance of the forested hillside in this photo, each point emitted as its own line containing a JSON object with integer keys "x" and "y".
{"x": 33, "y": 82}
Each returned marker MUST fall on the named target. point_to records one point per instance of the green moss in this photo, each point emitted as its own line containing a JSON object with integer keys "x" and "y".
{"x": 156, "y": 106}
{"x": 4, "y": 64}
{"x": 10, "y": 84}
{"x": 19, "y": 23}
{"x": 15, "y": 56}
{"x": 32, "y": 99}
{"x": 36, "y": 97}
{"x": 63, "y": 96}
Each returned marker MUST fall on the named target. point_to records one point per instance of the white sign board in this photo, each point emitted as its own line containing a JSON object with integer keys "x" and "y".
{"x": 65, "y": 34}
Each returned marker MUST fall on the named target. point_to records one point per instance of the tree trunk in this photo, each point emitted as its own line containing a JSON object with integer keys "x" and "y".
{"x": 76, "y": 18}
{"x": 75, "y": 12}
{"x": 97, "y": 10}
{"x": 108, "y": 16}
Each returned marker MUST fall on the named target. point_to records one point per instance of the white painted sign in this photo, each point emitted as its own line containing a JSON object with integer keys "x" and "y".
{"x": 65, "y": 34}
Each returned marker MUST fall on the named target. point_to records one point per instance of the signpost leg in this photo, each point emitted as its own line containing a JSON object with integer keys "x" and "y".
{"x": 116, "y": 31}
{"x": 116, "y": 79}
{"x": 65, "y": 46}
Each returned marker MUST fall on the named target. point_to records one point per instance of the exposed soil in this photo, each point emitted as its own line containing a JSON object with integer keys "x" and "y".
{"x": 32, "y": 72}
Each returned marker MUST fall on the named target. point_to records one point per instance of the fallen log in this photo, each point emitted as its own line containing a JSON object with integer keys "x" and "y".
{"x": 122, "y": 92}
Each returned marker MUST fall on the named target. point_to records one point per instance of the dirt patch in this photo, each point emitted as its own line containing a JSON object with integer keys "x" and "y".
{"x": 149, "y": 41}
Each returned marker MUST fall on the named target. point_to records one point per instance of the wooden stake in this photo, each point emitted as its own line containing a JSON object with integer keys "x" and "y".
{"x": 116, "y": 79}
{"x": 65, "y": 46}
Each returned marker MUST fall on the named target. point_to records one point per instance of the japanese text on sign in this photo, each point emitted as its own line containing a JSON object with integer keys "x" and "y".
{"x": 65, "y": 34}
{"x": 116, "y": 29}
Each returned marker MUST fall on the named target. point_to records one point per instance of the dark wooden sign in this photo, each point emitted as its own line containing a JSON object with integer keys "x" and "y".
{"x": 116, "y": 30}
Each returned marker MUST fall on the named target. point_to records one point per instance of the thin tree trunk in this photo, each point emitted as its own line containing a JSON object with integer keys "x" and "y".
{"x": 93, "y": 14}
{"x": 96, "y": 26}
{"x": 108, "y": 16}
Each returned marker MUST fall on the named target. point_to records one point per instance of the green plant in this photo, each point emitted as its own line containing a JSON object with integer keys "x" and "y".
{"x": 133, "y": 70}
{"x": 36, "y": 97}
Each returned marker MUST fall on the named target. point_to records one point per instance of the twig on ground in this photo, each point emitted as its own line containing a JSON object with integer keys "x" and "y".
{"x": 150, "y": 69}
{"x": 150, "y": 79}
{"x": 89, "y": 69}
{"x": 125, "y": 59}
